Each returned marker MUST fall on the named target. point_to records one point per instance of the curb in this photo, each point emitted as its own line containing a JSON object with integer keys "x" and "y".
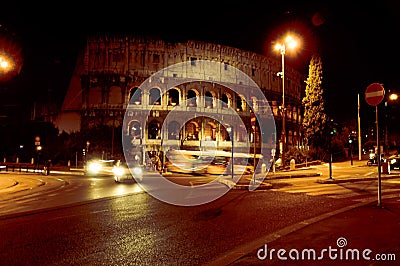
{"x": 285, "y": 176}
{"x": 343, "y": 180}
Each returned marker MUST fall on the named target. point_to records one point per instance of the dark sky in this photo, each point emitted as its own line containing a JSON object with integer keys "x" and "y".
{"x": 356, "y": 40}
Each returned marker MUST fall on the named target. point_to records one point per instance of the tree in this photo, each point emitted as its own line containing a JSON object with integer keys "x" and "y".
{"x": 314, "y": 118}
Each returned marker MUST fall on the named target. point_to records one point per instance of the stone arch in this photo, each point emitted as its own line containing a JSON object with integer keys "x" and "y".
{"x": 209, "y": 99}
{"x": 241, "y": 104}
{"x": 210, "y": 131}
{"x": 155, "y": 96}
{"x": 192, "y": 130}
{"x": 135, "y": 96}
{"x": 135, "y": 129}
{"x": 226, "y": 99}
{"x": 173, "y": 130}
{"x": 174, "y": 96}
{"x": 154, "y": 130}
{"x": 191, "y": 96}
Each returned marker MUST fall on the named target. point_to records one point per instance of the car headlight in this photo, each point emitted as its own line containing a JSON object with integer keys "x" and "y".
{"x": 118, "y": 171}
{"x": 94, "y": 167}
{"x": 393, "y": 161}
{"x": 137, "y": 171}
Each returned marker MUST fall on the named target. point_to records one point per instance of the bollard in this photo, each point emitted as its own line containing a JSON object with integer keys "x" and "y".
{"x": 292, "y": 164}
{"x": 263, "y": 168}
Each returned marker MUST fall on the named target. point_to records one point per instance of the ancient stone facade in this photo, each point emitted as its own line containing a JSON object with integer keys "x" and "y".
{"x": 121, "y": 81}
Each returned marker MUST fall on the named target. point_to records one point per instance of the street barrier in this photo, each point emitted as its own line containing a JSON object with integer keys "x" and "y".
{"x": 21, "y": 167}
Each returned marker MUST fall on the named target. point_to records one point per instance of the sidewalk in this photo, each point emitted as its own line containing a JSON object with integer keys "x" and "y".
{"x": 365, "y": 231}
{"x": 346, "y": 233}
{"x": 263, "y": 182}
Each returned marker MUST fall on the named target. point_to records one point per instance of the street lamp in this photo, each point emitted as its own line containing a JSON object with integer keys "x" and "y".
{"x": 38, "y": 150}
{"x": 231, "y": 133}
{"x": 289, "y": 42}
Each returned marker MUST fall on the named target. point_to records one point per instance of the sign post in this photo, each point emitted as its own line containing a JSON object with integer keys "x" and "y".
{"x": 373, "y": 96}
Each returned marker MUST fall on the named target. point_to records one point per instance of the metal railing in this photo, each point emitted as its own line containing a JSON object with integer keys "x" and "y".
{"x": 21, "y": 167}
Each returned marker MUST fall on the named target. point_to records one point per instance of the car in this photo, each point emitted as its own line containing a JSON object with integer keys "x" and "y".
{"x": 394, "y": 162}
{"x": 123, "y": 171}
{"x": 98, "y": 167}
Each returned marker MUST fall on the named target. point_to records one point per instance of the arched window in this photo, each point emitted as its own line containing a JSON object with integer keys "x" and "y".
{"x": 173, "y": 130}
{"x": 135, "y": 96}
{"x": 191, "y": 98}
{"x": 209, "y": 100}
{"x": 173, "y": 97}
{"x": 225, "y": 101}
{"x": 210, "y": 131}
{"x": 155, "y": 96}
{"x": 191, "y": 131}
{"x": 240, "y": 103}
{"x": 153, "y": 131}
{"x": 135, "y": 130}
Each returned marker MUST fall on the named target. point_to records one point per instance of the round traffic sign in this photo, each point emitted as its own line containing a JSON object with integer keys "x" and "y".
{"x": 374, "y": 94}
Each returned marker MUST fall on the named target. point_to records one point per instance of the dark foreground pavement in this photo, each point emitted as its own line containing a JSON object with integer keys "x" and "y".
{"x": 366, "y": 233}
{"x": 362, "y": 234}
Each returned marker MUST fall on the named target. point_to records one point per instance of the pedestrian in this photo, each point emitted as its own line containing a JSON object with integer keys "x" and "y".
{"x": 47, "y": 167}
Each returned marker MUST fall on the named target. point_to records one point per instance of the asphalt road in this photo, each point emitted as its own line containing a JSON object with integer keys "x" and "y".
{"x": 138, "y": 229}
{"x": 82, "y": 220}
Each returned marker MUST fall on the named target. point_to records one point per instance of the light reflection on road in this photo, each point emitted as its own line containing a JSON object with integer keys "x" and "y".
{"x": 123, "y": 190}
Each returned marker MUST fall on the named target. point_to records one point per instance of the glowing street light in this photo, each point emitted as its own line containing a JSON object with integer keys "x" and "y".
{"x": 289, "y": 42}
{"x": 393, "y": 97}
{"x": 11, "y": 60}
{"x": 3, "y": 63}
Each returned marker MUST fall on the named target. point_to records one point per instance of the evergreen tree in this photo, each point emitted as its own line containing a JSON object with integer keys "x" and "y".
{"x": 314, "y": 117}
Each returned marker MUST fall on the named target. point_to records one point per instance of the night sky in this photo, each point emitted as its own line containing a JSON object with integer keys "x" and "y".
{"x": 356, "y": 40}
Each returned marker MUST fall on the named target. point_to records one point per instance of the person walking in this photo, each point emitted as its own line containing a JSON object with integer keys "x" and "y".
{"x": 47, "y": 167}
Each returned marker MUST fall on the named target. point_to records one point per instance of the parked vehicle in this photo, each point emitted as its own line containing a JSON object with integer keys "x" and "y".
{"x": 394, "y": 162}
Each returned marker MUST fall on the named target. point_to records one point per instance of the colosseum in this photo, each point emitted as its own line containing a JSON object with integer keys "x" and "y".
{"x": 185, "y": 95}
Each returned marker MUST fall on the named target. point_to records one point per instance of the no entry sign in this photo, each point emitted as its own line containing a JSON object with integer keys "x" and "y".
{"x": 374, "y": 94}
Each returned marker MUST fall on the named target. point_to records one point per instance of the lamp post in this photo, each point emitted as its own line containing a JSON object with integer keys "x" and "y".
{"x": 231, "y": 132}
{"x": 288, "y": 42}
{"x": 38, "y": 150}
